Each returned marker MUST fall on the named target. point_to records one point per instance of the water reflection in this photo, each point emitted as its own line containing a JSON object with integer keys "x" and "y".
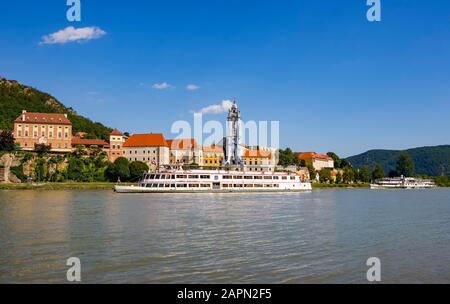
{"x": 318, "y": 237}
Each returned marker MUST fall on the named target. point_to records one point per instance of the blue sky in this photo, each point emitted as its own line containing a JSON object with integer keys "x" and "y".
{"x": 335, "y": 81}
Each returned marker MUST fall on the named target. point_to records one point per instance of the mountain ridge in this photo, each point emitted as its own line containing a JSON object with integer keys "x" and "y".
{"x": 429, "y": 160}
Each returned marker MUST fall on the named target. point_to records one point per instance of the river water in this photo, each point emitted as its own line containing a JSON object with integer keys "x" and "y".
{"x": 325, "y": 236}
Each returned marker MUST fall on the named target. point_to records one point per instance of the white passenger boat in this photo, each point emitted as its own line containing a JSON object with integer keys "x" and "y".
{"x": 217, "y": 181}
{"x": 403, "y": 183}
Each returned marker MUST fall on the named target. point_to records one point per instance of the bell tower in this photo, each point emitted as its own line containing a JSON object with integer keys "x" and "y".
{"x": 233, "y": 140}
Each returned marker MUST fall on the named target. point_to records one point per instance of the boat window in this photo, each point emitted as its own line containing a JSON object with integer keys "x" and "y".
{"x": 239, "y": 186}
{"x": 267, "y": 177}
{"x": 194, "y": 186}
{"x": 154, "y": 185}
{"x": 157, "y": 176}
{"x": 182, "y": 186}
{"x": 267, "y": 186}
{"x": 149, "y": 185}
{"x": 284, "y": 177}
{"x": 227, "y": 177}
{"x": 258, "y": 177}
{"x": 152, "y": 176}
{"x": 173, "y": 177}
{"x": 205, "y": 176}
{"x": 205, "y": 186}
{"x": 162, "y": 176}
{"x": 181, "y": 176}
{"x": 193, "y": 176}
{"x": 173, "y": 186}
{"x": 248, "y": 186}
{"x": 259, "y": 186}
{"x": 276, "y": 186}
{"x": 248, "y": 177}
{"x": 276, "y": 177}
{"x": 237, "y": 177}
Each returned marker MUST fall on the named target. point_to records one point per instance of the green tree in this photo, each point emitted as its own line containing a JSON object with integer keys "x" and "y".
{"x": 325, "y": 175}
{"x": 405, "y": 165}
{"x": 40, "y": 172}
{"x": 75, "y": 169}
{"x": 364, "y": 174}
{"x": 303, "y": 163}
{"x": 80, "y": 151}
{"x": 345, "y": 164}
{"x": 137, "y": 169}
{"x": 120, "y": 169}
{"x": 287, "y": 158}
{"x": 336, "y": 159}
{"x": 312, "y": 172}
{"x": 349, "y": 175}
{"x": 339, "y": 178}
{"x": 42, "y": 149}
{"x": 377, "y": 172}
{"x": 6, "y": 141}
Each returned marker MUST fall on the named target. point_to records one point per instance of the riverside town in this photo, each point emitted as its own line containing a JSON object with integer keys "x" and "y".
{"x": 43, "y": 147}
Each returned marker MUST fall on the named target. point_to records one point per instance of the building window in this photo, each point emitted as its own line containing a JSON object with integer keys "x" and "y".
{"x": 59, "y": 135}
{"x": 20, "y": 133}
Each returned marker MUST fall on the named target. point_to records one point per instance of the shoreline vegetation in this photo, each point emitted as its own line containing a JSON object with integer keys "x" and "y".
{"x": 110, "y": 186}
{"x": 61, "y": 186}
{"x": 340, "y": 186}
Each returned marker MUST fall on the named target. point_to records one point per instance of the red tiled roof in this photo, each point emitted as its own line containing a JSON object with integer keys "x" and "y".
{"x": 213, "y": 148}
{"x": 182, "y": 144}
{"x": 88, "y": 142}
{"x": 314, "y": 155}
{"x": 146, "y": 140}
{"x": 116, "y": 132}
{"x": 257, "y": 154}
{"x": 43, "y": 118}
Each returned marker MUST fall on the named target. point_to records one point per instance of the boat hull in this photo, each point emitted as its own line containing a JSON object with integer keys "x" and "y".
{"x": 131, "y": 189}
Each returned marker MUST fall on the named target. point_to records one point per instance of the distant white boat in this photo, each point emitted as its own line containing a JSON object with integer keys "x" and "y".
{"x": 403, "y": 183}
{"x": 217, "y": 181}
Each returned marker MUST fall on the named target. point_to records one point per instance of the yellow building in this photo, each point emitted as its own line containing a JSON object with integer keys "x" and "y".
{"x": 213, "y": 156}
{"x": 259, "y": 160}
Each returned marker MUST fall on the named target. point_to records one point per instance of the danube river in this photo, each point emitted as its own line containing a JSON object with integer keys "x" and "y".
{"x": 325, "y": 236}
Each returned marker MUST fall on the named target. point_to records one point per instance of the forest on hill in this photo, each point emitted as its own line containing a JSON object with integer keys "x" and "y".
{"x": 430, "y": 161}
{"x": 16, "y": 97}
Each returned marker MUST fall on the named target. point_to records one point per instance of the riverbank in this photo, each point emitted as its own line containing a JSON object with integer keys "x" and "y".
{"x": 342, "y": 186}
{"x": 58, "y": 186}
